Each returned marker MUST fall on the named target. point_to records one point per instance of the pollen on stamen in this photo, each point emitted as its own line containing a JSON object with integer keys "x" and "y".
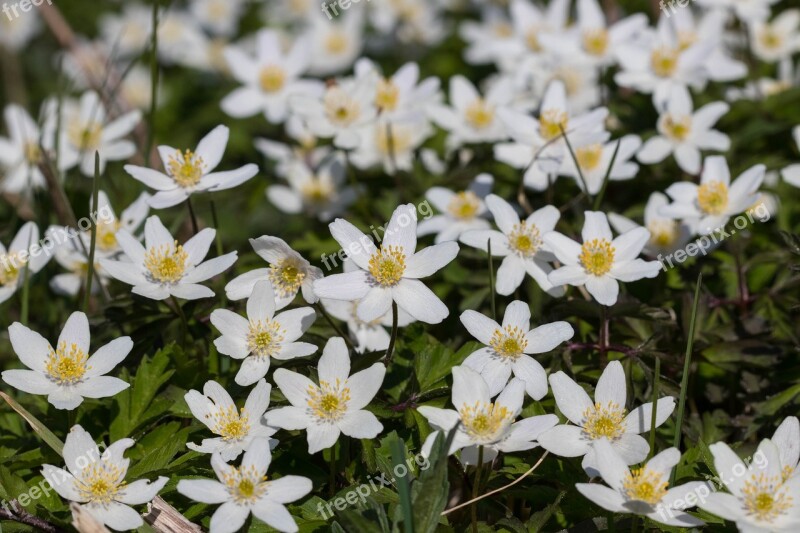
{"x": 264, "y": 337}
{"x": 645, "y": 485}
{"x": 604, "y": 420}
{"x": 388, "y": 265}
{"x": 597, "y": 256}
{"x": 328, "y": 401}
{"x": 509, "y": 342}
{"x": 464, "y": 205}
{"x": 287, "y": 276}
{"x": 186, "y": 169}
{"x": 230, "y": 424}
{"x": 166, "y": 263}
{"x": 712, "y": 197}
{"x": 525, "y": 239}
{"x": 485, "y": 421}
{"x": 67, "y": 364}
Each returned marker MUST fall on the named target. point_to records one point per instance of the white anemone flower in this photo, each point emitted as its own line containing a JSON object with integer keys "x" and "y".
{"x": 508, "y": 348}
{"x": 24, "y": 257}
{"x": 392, "y": 143}
{"x": 237, "y": 428}
{"x": 334, "y": 44}
{"x": 483, "y": 422}
{"x": 685, "y": 132}
{"x": 87, "y": 130}
{"x": 107, "y": 224}
{"x": 666, "y": 234}
{"x": 246, "y": 490}
{"x": 220, "y": 17}
{"x": 270, "y": 79}
{"x": 601, "y": 261}
{"x": 642, "y": 491}
{"x": 333, "y": 407}
{"x": 97, "y": 481}
{"x": 761, "y": 498}
{"x": 263, "y": 335}
{"x": 288, "y": 272}
{"x": 67, "y": 374}
{"x": 791, "y": 174}
{"x": 594, "y": 159}
{"x": 461, "y": 211}
{"x": 711, "y": 204}
{"x": 605, "y": 418}
{"x": 191, "y": 172}
{"x": 530, "y": 24}
{"x": 402, "y": 92}
{"x": 162, "y": 267}
{"x": 520, "y": 244}
{"x": 21, "y": 152}
{"x": 390, "y": 273}
{"x": 778, "y": 39}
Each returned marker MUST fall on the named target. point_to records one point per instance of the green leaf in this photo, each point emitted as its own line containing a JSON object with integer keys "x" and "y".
{"x": 40, "y": 429}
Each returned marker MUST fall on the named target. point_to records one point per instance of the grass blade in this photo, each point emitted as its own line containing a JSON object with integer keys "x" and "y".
{"x": 93, "y": 243}
{"x": 38, "y": 427}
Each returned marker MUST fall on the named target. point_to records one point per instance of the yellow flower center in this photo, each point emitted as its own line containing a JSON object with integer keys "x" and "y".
{"x": 589, "y": 157}
{"x": 186, "y": 169}
{"x": 388, "y": 265}
{"x": 336, "y": 42}
{"x": 100, "y": 482}
{"x": 86, "y": 137}
{"x": 484, "y": 422}
{"x": 686, "y": 39}
{"x": 597, "y": 256}
{"x": 509, "y": 342}
{"x": 676, "y": 128}
{"x": 503, "y": 29}
{"x": 272, "y": 78}
{"x": 604, "y": 421}
{"x": 264, "y": 337}
{"x": 532, "y": 40}
{"x": 33, "y": 154}
{"x": 66, "y": 365}
{"x": 712, "y": 197}
{"x": 166, "y": 263}
{"x": 387, "y": 95}
{"x": 595, "y": 41}
{"x": 663, "y": 233}
{"x": 645, "y": 485}
{"x": 10, "y": 267}
{"x": 464, "y": 205}
{"x": 286, "y": 275}
{"x": 245, "y": 485}
{"x": 316, "y": 191}
{"x": 328, "y": 401}
{"x": 786, "y": 472}
{"x": 340, "y": 108}
{"x": 765, "y": 497}
{"x": 107, "y": 235}
{"x": 525, "y": 239}
{"x": 770, "y": 38}
{"x": 664, "y": 61}
{"x": 479, "y": 114}
{"x": 398, "y": 142}
{"x": 230, "y": 424}
{"x": 551, "y": 123}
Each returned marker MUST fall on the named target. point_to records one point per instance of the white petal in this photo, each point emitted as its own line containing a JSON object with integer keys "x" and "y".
{"x": 611, "y": 387}
{"x": 31, "y": 348}
{"x": 108, "y": 357}
{"x": 419, "y": 301}
{"x": 360, "y": 425}
{"x": 76, "y": 331}
{"x": 429, "y": 260}
{"x": 479, "y": 326}
{"x": 638, "y": 420}
{"x": 564, "y": 441}
{"x": 570, "y": 397}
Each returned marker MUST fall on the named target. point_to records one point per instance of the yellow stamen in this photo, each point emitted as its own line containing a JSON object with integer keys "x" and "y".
{"x": 287, "y": 275}
{"x": 336, "y": 42}
{"x": 166, "y": 263}
{"x": 328, "y": 401}
{"x": 664, "y": 61}
{"x": 245, "y": 485}
{"x": 663, "y": 233}
{"x": 387, "y": 95}
{"x": 765, "y": 497}
{"x": 484, "y": 422}
{"x": 604, "y": 421}
{"x": 66, "y": 365}
{"x": 107, "y": 235}
{"x": 340, "y": 108}
{"x": 464, "y": 205}
{"x": 11, "y": 266}
{"x": 186, "y": 169}
{"x": 264, "y": 337}
{"x": 509, "y": 342}
{"x": 595, "y": 41}
{"x": 272, "y": 78}
{"x": 645, "y": 485}
{"x": 676, "y": 128}
{"x": 597, "y": 256}
{"x": 712, "y": 197}
{"x": 479, "y": 114}
{"x": 525, "y": 239}
{"x": 388, "y": 265}
{"x": 551, "y": 122}
{"x": 100, "y": 482}
{"x": 85, "y": 136}
{"x": 230, "y": 424}
{"x": 589, "y": 157}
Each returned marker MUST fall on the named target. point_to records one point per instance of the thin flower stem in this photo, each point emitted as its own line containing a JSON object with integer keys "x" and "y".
{"x": 656, "y": 380}
{"x": 476, "y": 490}
{"x": 491, "y": 279}
{"x": 191, "y": 215}
{"x": 687, "y": 365}
{"x": 87, "y": 296}
{"x": 599, "y": 198}
{"x": 393, "y": 338}
{"x": 332, "y": 482}
{"x": 23, "y": 314}
{"x": 501, "y": 489}
{"x": 604, "y": 335}
{"x": 184, "y": 322}
{"x": 575, "y": 160}
{"x": 318, "y": 306}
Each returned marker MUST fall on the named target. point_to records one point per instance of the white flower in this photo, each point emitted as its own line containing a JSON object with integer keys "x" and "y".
{"x": 594, "y": 158}
{"x": 97, "y": 482}
{"x": 181, "y": 41}
{"x": 483, "y": 422}
{"x": 461, "y": 211}
{"x": 791, "y": 174}
{"x": 601, "y": 261}
{"x": 745, "y": 10}
{"x": 472, "y": 118}
{"x": 287, "y": 155}
{"x": 369, "y": 336}
{"x": 86, "y": 130}
{"x": 765, "y": 87}
{"x": 762, "y": 498}
{"x": 128, "y": 32}
{"x": 334, "y": 406}
{"x": 530, "y": 24}
{"x": 16, "y": 32}
{"x": 641, "y": 491}
{"x": 246, "y": 490}
{"x": 776, "y": 40}
{"x": 666, "y": 234}
{"x": 70, "y": 256}
{"x": 263, "y": 335}
{"x": 67, "y": 374}
{"x": 711, "y": 204}
{"x": 107, "y": 224}
{"x": 270, "y": 79}
{"x": 787, "y": 439}
{"x": 164, "y": 268}
{"x": 191, "y": 172}
{"x": 21, "y": 152}
{"x": 288, "y": 272}
{"x": 605, "y": 418}
{"x": 335, "y": 44}
{"x": 221, "y": 17}
{"x": 390, "y": 273}
{"x": 24, "y": 257}
{"x": 237, "y": 428}
{"x": 685, "y": 132}
{"x": 520, "y": 244}
{"x": 508, "y": 348}
{"x": 487, "y": 37}
{"x": 401, "y": 93}
{"x": 392, "y": 142}
{"x": 319, "y": 191}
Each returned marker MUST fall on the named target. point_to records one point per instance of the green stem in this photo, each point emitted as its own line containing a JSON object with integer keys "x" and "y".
{"x": 184, "y": 322}
{"x": 332, "y": 482}
{"x": 393, "y": 338}
{"x": 476, "y": 490}
{"x": 491, "y": 279}
{"x": 93, "y": 243}
{"x": 335, "y": 327}
{"x": 656, "y": 380}
{"x": 191, "y": 215}
{"x": 599, "y": 198}
{"x": 687, "y": 364}
{"x": 575, "y": 160}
